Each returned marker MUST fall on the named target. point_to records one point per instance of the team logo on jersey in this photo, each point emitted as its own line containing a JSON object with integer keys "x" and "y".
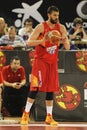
{"x": 51, "y": 50}
{"x": 68, "y": 98}
{"x": 81, "y": 60}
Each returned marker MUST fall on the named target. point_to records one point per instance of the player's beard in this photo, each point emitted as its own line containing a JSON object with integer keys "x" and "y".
{"x": 53, "y": 21}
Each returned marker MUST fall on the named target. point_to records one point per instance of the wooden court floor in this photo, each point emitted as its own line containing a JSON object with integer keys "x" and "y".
{"x": 14, "y": 124}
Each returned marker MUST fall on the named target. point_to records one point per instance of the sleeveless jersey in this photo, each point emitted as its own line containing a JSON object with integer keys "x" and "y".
{"x": 49, "y": 52}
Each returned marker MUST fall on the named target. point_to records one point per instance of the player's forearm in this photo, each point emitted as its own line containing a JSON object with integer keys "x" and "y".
{"x": 23, "y": 82}
{"x": 34, "y": 42}
{"x": 7, "y": 84}
{"x": 66, "y": 44}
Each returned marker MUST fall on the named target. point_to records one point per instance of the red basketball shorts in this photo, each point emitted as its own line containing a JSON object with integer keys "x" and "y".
{"x": 44, "y": 76}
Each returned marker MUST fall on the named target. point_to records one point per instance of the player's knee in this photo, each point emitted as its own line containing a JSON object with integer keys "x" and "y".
{"x": 49, "y": 96}
{"x": 32, "y": 94}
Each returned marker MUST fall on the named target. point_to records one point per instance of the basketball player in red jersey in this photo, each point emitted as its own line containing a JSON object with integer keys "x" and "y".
{"x": 44, "y": 76}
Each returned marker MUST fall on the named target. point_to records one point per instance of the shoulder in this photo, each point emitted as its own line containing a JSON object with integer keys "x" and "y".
{"x": 62, "y": 26}
{"x": 21, "y": 68}
{"x": 40, "y": 27}
{"x": 6, "y": 68}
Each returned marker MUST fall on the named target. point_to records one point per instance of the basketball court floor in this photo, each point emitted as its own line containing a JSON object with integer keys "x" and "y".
{"x": 14, "y": 124}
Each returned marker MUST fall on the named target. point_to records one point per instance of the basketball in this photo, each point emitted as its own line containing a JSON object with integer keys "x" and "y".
{"x": 54, "y": 36}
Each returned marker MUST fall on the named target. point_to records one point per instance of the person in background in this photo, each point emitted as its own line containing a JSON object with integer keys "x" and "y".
{"x": 44, "y": 77}
{"x": 27, "y": 29}
{"x": 1, "y": 89}
{"x": 12, "y": 39}
{"x": 14, "y": 92}
{"x": 3, "y": 27}
{"x": 77, "y": 32}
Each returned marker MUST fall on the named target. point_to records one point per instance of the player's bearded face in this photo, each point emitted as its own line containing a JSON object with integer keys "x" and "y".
{"x": 53, "y": 21}
{"x": 53, "y": 17}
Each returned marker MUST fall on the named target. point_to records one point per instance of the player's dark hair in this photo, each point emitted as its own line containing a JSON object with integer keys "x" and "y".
{"x": 14, "y": 58}
{"x": 51, "y": 9}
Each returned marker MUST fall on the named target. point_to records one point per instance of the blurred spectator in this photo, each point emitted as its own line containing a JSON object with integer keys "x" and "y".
{"x": 15, "y": 90}
{"x": 12, "y": 38}
{"x": 27, "y": 29}
{"x": 1, "y": 87}
{"x": 77, "y": 32}
{"x": 3, "y": 27}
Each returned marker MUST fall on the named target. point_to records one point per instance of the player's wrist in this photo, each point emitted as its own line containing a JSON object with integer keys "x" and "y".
{"x": 21, "y": 84}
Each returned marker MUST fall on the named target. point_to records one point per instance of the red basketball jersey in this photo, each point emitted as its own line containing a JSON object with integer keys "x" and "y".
{"x": 49, "y": 52}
